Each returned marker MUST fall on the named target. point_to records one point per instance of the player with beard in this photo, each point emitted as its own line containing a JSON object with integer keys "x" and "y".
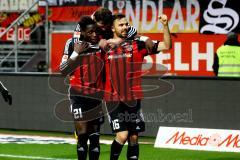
{"x": 123, "y": 92}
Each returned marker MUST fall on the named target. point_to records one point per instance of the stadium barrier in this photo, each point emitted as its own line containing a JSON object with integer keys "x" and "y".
{"x": 194, "y": 102}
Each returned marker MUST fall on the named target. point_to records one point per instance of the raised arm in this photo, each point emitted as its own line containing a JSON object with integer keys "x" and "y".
{"x": 166, "y": 44}
{"x": 154, "y": 46}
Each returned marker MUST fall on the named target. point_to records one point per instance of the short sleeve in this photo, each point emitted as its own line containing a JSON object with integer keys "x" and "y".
{"x": 67, "y": 51}
{"x": 77, "y": 31}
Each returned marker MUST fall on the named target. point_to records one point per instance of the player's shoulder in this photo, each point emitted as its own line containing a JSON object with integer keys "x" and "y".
{"x": 68, "y": 41}
{"x": 138, "y": 41}
{"x": 221, "y": 48}
{"x": 135, "y": 41}
{"x": 131, "y": 45}
{"x": 68, "y": 46}
{"x": 71, "y": 41}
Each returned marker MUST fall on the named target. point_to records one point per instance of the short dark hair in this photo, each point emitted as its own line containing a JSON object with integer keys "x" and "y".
{"x": 104, "y": 15}
{"x": 232, "y": 39}
{"x": 118, "y": 16}
{"x": 84, "y": 21}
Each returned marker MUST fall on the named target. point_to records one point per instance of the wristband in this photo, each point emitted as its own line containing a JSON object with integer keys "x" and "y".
{"x": 74, "y": 55}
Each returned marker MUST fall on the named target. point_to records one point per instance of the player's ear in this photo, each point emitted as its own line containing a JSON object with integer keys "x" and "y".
{"x": 113, "y": 30}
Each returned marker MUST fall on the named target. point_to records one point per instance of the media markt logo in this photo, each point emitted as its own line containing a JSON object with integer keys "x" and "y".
{"x": 220, "y": 18}
{"x": 214, "y": 140}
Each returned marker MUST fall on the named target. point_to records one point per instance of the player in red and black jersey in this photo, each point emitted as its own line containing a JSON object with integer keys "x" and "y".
{"x": 103, "y": 18}
{"x": 84, "y": 64}
{"x": 123, "y": 92}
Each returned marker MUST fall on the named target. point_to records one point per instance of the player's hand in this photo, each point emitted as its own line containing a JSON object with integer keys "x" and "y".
{"x": 7, "y": 96}
{"x": 104, "y": 45}
{"x": 163, "y": 19}
{"x": 81, "y": 47}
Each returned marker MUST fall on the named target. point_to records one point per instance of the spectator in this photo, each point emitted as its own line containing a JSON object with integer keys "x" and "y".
{"x": 227, "y": 59}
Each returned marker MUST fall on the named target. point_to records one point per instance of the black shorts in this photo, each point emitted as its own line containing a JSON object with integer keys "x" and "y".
{"x": 86, "y": 109}
{"x": 126, "y": 116}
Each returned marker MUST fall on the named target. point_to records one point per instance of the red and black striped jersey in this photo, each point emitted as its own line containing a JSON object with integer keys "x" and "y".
{"x": 86, "y": 78}
{"x": 124, "y": 70}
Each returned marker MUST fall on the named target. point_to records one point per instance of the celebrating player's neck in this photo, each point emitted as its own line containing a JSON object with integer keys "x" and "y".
{"x": 119, "y": 39}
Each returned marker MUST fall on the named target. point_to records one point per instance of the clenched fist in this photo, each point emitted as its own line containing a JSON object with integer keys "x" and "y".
{"x": 163, "y": 19}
